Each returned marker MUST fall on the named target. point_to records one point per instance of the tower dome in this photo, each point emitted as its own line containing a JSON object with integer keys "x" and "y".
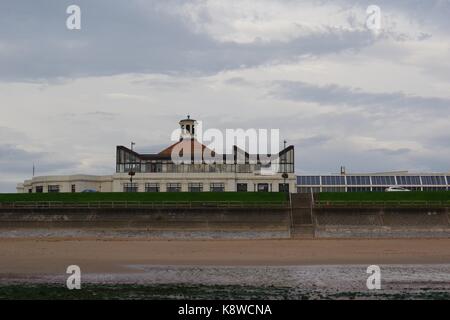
{"x": 188, "y": 126}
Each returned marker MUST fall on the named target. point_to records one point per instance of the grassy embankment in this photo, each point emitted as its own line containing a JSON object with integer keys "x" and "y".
{"x": 442, "y": 197}
{"x": 149, "y": 197}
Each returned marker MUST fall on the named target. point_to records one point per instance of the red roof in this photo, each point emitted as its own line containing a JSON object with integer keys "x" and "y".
{"x": 191, "y": 146}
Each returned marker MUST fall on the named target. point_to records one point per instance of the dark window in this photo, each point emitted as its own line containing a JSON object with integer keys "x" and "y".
{"x": 53, "y": 188}
{"x": 433, "y": 180}
{"x": 242, "y": 187}
{"x": 195, "y": 187}
{"x": 152, "y": 187}
{"x": 383, "y": 180}
{"x": 174, "y": 187}
{"x": 263, "y": 187}
{"x": 130, "y": 187}
{"x": 30, "y": 190}
{"x": 283, "y": 187}
{"x": 358, "y": 180}
{"x": 153, "y": 167}
{"x": 333, "y": 180}
{"x": 408, "y": 180}
{"x": 217, "y": 187}
{"x": 308, "y": 180}
{"x": 73, "y": 189}
{"x": 39, "y": 189}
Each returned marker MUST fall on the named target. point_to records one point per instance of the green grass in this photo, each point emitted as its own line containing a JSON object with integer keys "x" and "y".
{"x": 148, "y": 197}
{"x": 384, "y": 196}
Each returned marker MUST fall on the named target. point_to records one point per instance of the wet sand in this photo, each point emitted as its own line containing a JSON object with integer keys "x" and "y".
{"x": 46, "y": 256}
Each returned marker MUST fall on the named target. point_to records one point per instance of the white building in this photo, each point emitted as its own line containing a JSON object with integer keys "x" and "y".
{"x": 200, "y": 170}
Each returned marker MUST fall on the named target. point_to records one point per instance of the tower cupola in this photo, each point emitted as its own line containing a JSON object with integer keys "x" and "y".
{"x": 188, "y": 127}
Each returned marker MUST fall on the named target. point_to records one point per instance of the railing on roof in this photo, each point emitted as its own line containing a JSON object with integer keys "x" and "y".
{"x": 144, "y": 204}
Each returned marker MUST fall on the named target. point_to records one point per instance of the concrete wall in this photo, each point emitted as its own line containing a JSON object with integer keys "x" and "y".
{"x": 212, "y": 219}
{"x": 381, "y": 222}
{"x": 273, "y": 223}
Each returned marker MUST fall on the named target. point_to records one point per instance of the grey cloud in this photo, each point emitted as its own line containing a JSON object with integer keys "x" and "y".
{"x": 14, "y": 159}
{"x": 314, "y": 141}
{"x": 338, "y": 95}
{"x": 432, "y": 12}
{"x": 391, "y": 152}
{"x": 134, "y": 37}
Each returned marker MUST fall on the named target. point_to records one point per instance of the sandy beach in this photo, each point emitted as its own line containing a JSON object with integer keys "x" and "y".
{"x": 38, "y": 256}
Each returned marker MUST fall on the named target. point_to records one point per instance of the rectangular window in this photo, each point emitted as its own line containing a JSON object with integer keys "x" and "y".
{"x": 358, "y": 180}
{"x": 217, "y": 187}
{"x": 195, "y": 187}
{"x": 174, "y": 187}
{"x": 39, "y": 189}
{"x": 433, "y": 180}
{"x": 283, "y": 187}
{"x": 153, "y": 167}
{"x": 408, "y": 180}
{"x": 383, "y": 180}
{"x": 152, "y": 187}
{"x": 241, "y": 187}
{"x": 333, "y": 180}
{"x": 53, "y": 188}
{"x": 130, "y": 187}
{"x": 308, "y": 180}
{"x": 263, "y": 187}
{"x": 30, "y": 190}
{"x": 73, "y": 188}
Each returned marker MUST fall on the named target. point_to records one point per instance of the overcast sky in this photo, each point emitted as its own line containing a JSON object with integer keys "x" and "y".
{"x": 342, "y": 94}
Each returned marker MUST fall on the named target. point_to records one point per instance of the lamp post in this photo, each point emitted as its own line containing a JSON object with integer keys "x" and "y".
{"x": 131, "y": 174}
{"x": 285, "y": 176}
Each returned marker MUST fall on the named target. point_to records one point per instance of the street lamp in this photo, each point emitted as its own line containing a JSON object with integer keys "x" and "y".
{"x": 285, "y": 176}
{"x": 131, "y": 174}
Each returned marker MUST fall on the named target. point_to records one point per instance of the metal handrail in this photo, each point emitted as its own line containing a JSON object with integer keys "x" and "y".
{"x": 143, "y": 204}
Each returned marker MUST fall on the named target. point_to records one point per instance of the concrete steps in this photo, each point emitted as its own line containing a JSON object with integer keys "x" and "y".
{"x": 302, "y": 224}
